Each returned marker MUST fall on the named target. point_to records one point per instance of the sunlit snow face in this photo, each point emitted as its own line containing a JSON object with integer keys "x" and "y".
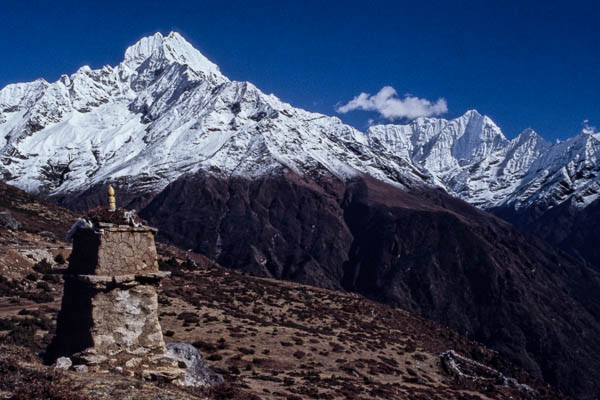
{"x": 166, "y": 110}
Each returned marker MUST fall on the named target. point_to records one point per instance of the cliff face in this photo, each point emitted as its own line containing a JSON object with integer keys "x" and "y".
{"x": 571, "y": 228}
{"x": 285, "y": 227}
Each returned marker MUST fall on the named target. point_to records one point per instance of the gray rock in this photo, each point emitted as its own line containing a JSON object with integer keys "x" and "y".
{"x": 7, "y": 220}
{"x": 197, "y": 372}
{"x": 80, "y": 368}
{"x": 91, "y": 359}
{"x": 63, "y": 363}
{"x": 163, "y": 374}
{"x": 133, "y": 363}
{"x": 50, "y": 236}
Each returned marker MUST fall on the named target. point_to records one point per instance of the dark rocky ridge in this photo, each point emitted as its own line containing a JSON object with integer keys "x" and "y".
{"x": 573, "y": 229}
{"x": 481, "y": 276}
{"x": 424, "y": 251}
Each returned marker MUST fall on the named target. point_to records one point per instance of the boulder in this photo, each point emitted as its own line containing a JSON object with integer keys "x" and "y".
{"x": 50, "y": 236}
{"x": 80, "y": 368}
{"x": 63, "y": 363}
{"x": 7, "y": 220}
{"x": 196, "y": 371}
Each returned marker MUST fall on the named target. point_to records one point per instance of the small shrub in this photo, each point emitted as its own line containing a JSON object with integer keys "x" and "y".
{"x": 51, "y": 278}
{"x": 214, "y": 357}
{"x": 287, "y": 381}
{"x": 32, "y": 276}
{"x": 245, "y": 350}
{"x": 227, "y": 391}
{"x": 170, "y": 264}
{"x": 189, "y": 265}
{"x": 204, "y": 346}
{"x": 40, "y": 297}
{"x": 44, "y": 267}
{"x": 188, "y": 317}
{"x": 59, "y": 259}
{"x": 299, "y": 355}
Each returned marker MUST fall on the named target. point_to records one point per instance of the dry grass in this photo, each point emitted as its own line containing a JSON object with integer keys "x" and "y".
{"x": 271, "y": 339}
{"x": 288, "y": 341}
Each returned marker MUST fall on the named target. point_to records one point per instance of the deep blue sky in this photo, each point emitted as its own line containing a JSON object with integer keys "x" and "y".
{"x": 524, "y": 63}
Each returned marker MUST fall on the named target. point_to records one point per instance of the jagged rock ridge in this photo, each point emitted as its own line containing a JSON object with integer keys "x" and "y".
{"x": 471, "y": 158}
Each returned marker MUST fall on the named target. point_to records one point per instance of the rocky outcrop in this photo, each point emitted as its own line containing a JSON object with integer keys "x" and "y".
{"x": 467, "y": 371}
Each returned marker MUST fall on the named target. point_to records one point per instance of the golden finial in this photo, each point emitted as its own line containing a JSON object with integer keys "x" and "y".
{"x": 111, "y": 199}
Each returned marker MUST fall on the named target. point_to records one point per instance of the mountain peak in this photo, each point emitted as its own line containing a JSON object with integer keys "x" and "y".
{"x": 530, "y": 136}
{"x": 173, "y": 48}
{"x": 528, "y": 133}
{"x": 472, "y": 113}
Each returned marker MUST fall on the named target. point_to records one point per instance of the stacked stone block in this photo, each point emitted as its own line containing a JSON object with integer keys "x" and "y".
{"x": 109, "y": 313}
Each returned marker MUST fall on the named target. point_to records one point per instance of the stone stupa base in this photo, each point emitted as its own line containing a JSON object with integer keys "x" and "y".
{"x": 109, "y": 315}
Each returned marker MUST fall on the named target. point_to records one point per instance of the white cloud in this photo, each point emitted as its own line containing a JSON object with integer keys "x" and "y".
{"x": 587, "y": 128}
{"x": 390, "y": 106}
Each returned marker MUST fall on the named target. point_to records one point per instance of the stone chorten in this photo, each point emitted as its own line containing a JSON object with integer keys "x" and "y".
{"x": 109, "y": 317}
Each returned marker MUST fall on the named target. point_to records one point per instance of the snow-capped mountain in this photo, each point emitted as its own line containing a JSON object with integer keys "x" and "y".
{"x": 471, "y": 158}
{"x": 223, "y": 169}
{"x": 166, "y": 110}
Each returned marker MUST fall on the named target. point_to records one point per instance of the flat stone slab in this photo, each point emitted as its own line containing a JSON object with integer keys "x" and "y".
{"x": 125, "y": 228}
{"x": 162, "y": 374}
{"x": 119, "y": 280}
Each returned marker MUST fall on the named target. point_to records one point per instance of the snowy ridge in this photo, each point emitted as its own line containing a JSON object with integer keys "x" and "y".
{"x": 166, "y": 110}
{"x": 471, "y": 158}
{"x": 163, "y": 112}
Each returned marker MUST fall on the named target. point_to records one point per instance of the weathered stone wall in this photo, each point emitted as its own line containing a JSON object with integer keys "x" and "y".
{"x": 110, "y": 306}
{"x": 126, "y": 319}
{"x": 118, "y": 250}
